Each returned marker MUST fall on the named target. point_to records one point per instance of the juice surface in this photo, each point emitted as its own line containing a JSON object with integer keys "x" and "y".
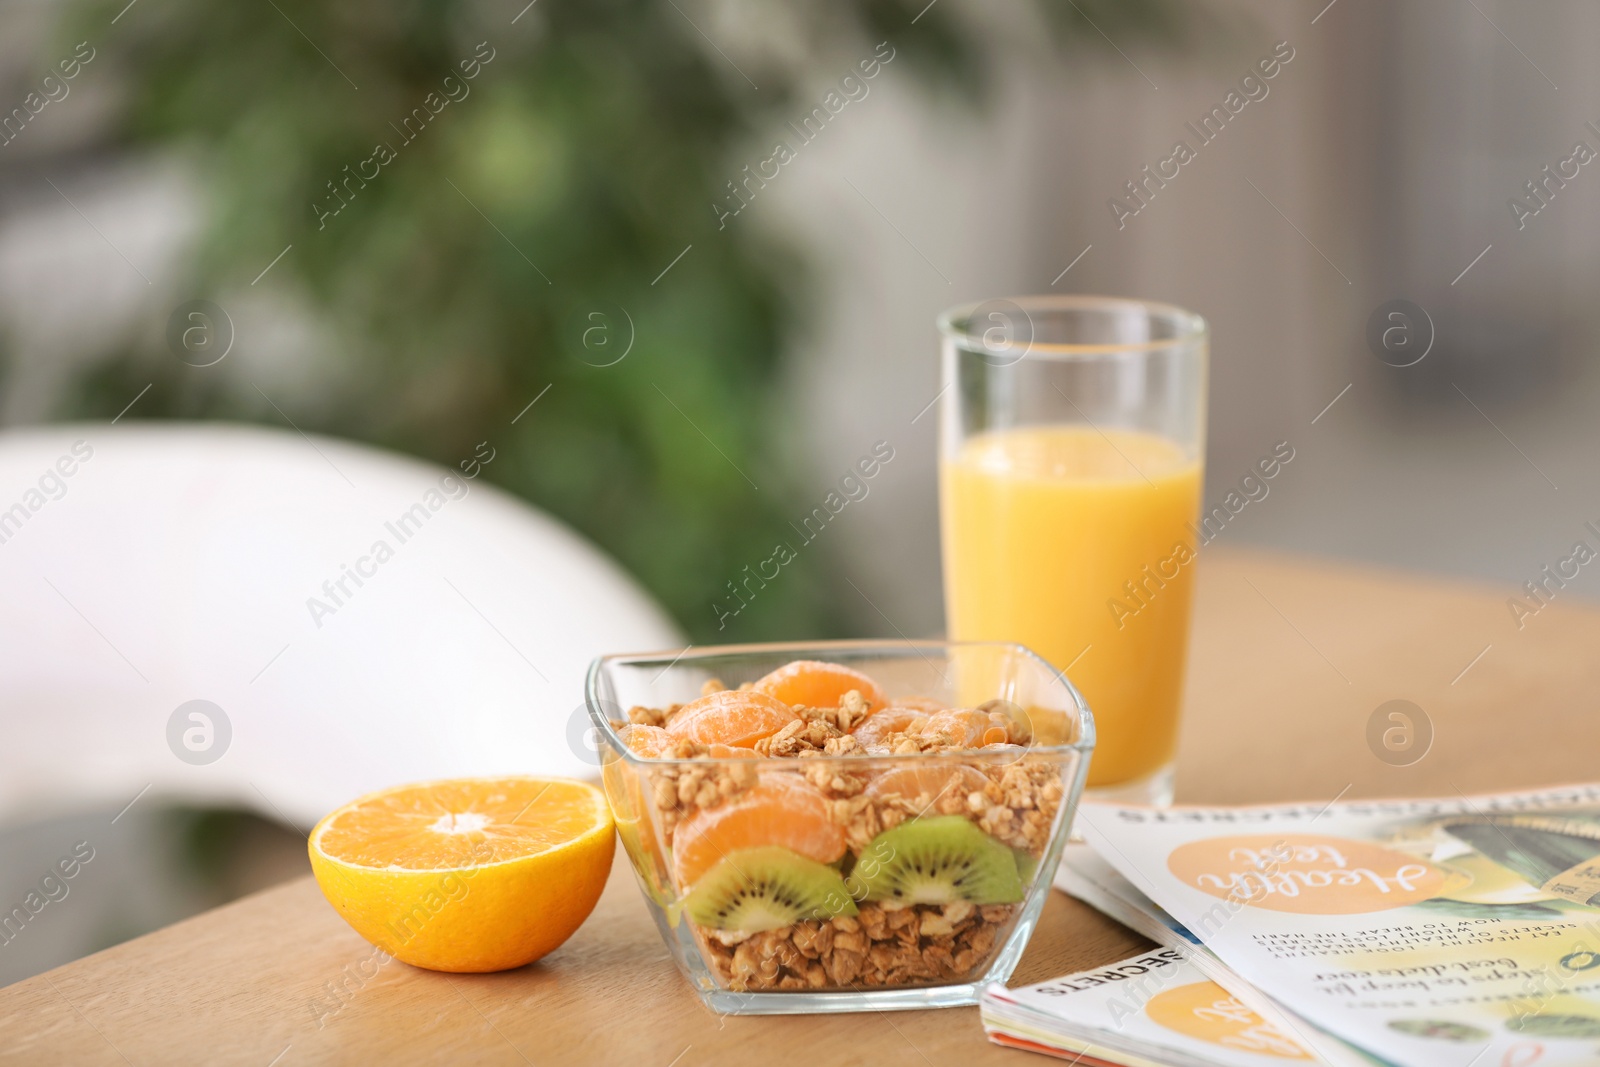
{"x": 1064, "y": 538}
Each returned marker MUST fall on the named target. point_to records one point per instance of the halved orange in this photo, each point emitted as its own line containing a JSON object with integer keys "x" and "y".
{"x": 470, "y": 874}
{"x": 784, "y": 809}
{"x": 735, "y": 717}
{"x": 810, "y": 683}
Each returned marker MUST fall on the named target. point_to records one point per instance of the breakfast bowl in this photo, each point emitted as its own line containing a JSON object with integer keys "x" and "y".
{"x": 841, "y": 826}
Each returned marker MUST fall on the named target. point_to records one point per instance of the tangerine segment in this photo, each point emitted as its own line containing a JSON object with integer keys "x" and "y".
{"x": 645, "y": 740}
{"x": 810, "y": 683}
{"x": 963, "y": 727}
{"x": 932, "y": 783}
{"x": 730, "y": 752}
{"x": 471, "y": 875}
{"x": 735, "y": 717}
{"x": 783, "y": 809}
{"x": 895, "y": 720}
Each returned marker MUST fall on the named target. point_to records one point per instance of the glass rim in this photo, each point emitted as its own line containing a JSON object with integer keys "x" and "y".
{"x": 1084, "y": 744}
{"x": 1192, "y": 327}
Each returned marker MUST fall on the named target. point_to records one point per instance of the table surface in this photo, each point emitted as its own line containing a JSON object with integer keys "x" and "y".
{"x": 1290, "y": 658}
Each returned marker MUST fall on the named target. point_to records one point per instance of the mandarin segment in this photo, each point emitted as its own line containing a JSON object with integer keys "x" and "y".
{"x": 782, "y": 810}
{"x": 731, "y": 752}
{"x": 875, "y": 731}
{"x": 736, "y": 717}
{"x": 645, "y": 740}
{"x": 959, "y": 727}
{"x": 810, "y": 683}
{"x": 932, "y": 783}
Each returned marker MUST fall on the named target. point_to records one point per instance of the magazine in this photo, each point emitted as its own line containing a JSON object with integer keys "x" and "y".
{"x": 1083, "y": 874}
{"x": 1153, "y": 1008}
{"x": 1426, "y": 933}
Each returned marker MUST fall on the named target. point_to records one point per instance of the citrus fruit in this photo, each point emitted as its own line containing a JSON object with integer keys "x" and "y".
{"x": 963, "y": 727}
{"x": 783, "y": 809}
{"x": 875, "y": 730}
{"x": 932, "y": 782}
{"x": 810, "y": 683}
{"x": 735, "y": 717}
{"x": 645, "y": 740}
{"x": 716, "y": 751}
{"x": 471, "y": 874}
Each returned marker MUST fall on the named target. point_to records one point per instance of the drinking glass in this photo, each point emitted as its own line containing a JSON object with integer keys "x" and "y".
{"x": 1071, "y": 464}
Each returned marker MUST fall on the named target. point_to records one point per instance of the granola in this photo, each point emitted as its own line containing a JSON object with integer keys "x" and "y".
{"x": 1017, "y": 806}
{"x": 917, "y": 945}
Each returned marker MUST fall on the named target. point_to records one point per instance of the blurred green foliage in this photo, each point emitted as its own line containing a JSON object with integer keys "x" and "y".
{"x": 457, "y": 284}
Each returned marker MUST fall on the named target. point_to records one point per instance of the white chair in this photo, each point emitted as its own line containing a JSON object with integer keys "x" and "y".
{"x": 360, "y": 618}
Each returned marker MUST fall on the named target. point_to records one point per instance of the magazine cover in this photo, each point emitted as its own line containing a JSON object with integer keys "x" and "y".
{"x": 1425, "y": 932}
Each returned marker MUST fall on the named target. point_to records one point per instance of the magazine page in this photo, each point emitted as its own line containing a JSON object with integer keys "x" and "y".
{"x": 1155, "y": 1005}
{"x": 1428, "y": 933}
{"x": 1084, "y": 875}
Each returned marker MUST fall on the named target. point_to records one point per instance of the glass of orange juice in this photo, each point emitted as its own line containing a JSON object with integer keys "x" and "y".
{"x": 1071, "y": 461}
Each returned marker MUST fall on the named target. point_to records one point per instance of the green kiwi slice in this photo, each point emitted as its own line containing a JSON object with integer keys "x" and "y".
{"x": 936, "y": 860}
{"x": 767, "y": 888}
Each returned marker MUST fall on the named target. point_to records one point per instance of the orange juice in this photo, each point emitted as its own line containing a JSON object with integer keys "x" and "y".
{"x": 1077, "y": 543}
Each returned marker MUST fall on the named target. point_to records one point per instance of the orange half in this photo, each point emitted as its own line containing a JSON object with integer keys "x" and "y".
{"x": 471, "y": 874}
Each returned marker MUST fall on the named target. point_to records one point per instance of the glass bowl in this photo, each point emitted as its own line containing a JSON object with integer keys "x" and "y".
{"x": 926, "y": 869}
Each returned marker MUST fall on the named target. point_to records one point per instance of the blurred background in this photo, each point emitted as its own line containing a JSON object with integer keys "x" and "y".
{"x": 410, "y": 222}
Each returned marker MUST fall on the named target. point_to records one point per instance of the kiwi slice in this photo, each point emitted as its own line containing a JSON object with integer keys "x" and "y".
{"x": 767, "y": 888}
{"x": 936, "y": 860}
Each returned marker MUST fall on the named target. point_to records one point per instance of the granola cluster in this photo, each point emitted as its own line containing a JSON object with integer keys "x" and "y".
{"x": 882, "y": 946}
{"x": 680, "y": 792}
{"x": 1017, "y": 804}
{"x": 1029, "y": 794}
{"x": 642, "y": 716}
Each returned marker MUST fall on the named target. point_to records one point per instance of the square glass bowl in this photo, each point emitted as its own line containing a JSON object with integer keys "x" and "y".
{"x": 713, "y": 836}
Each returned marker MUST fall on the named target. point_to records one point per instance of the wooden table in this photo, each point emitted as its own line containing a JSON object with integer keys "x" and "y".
{"x": 1290, "y": 659}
